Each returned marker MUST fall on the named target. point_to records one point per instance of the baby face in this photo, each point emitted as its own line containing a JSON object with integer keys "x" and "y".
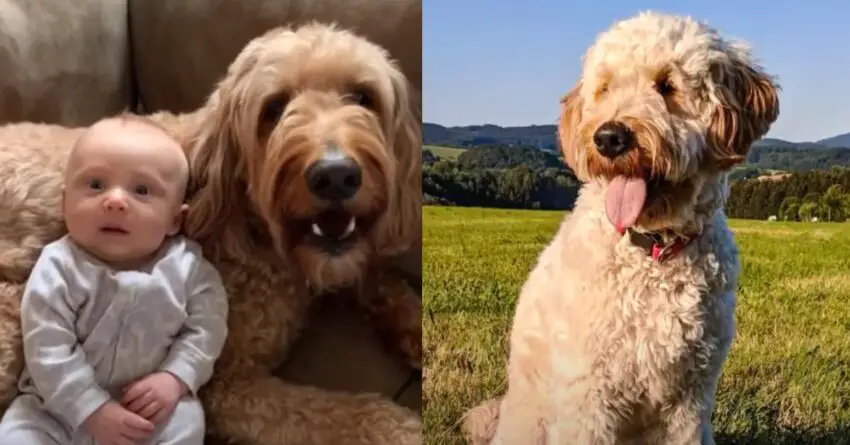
{"x": 124, "y": 191}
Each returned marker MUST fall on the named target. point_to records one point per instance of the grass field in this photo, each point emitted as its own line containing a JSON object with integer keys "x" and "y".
{"x": 787, "y": 380}
{"x": 444, "y": 152}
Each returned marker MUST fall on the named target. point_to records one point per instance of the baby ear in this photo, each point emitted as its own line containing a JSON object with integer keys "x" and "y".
{"x": 747, "y": 104}
{"x": 179, "y": 217}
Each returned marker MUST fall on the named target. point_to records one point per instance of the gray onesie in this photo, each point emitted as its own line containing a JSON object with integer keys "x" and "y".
{"x": 90, "y": 330}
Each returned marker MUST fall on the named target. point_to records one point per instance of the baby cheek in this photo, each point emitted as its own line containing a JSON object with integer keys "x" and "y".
{"x": 154, "y": 214}
{"x": 81, "y": 208}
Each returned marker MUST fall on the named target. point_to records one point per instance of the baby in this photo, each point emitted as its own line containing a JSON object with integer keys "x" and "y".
{"x": 122, "y": 318}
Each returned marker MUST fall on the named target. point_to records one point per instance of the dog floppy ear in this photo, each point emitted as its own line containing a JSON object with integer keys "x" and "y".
{"x": 568, "y": 121}
{"x": 747, "y": 105}
{"x": 216, "y": 199}
{"x": 402, "y": 224}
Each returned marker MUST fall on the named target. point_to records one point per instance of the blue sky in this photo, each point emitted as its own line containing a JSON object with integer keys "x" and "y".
{"x": 507, "y": 62}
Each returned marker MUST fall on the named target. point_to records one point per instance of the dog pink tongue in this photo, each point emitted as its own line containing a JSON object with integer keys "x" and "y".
{"x": 624, "y": 200}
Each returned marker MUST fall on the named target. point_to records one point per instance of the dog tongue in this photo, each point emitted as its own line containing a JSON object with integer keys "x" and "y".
{"x": 624, "y": 200}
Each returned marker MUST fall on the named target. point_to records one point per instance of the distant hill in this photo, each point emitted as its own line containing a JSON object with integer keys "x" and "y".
{"x": 841, "y": 140}
{"x": 535, "y": 136}
{"x": 767, "y": 154}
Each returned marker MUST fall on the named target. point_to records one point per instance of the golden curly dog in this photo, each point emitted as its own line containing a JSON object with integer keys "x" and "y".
{"x": 305, "y": 166}
{"x": 623, "y": 326}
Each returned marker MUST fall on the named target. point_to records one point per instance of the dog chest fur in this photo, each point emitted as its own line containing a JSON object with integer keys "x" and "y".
{"x": 627, "y": 330}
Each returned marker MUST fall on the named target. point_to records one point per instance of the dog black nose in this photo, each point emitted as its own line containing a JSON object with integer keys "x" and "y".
{"x": 335, "y": 177}
{"x": 612, "y": 139}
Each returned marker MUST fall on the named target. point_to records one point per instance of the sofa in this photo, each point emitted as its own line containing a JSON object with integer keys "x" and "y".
{"x": 71, "y": 63}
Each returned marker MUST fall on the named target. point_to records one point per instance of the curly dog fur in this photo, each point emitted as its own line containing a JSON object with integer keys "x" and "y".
{"x": 293, "y": 102}
{"x": 610, "y": 345}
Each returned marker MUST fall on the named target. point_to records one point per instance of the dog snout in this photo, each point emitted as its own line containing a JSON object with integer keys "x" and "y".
{"x": 334, "y": 177}
{"x": 612, "y": 139}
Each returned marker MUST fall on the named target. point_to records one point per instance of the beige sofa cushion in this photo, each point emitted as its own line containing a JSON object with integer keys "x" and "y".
{"x": 181, "y": 48}
{"x": 63, "y": 62}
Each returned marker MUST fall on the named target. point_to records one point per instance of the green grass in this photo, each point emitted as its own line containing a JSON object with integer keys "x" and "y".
{"x": 444, "y": 152}
{"x": 786, "y": 380}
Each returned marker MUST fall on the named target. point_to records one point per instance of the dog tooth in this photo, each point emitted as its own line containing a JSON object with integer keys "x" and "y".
{"x": 349, "y": 229}
{"x": 317, "y": 230}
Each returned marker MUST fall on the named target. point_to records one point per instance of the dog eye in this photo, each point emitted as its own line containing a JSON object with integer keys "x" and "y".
{"x": 602, "y": 90}
{"x": 363, "y": 99}
{"x": 664, "y": 87}
{"x": 273, "y": 109}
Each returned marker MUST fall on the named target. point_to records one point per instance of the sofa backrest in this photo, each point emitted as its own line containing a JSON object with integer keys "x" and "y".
{"x": 72, "y": 63}
{"x": 63, "y": 62}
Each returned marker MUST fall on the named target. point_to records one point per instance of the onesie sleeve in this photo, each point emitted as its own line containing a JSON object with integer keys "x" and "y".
{"x": 201, "y": 339}
{"x": 54, "y": 358}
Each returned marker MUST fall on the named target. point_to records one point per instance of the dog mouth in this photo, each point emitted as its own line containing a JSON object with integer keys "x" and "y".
{"x": 333, "y": 231}
{"x": 328, "y": 226}
{"x": 627, "y": 197}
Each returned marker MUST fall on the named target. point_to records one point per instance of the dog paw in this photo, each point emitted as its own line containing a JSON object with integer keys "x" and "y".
{"x": 392, "y": 424}
{"x": 479, "y": 423}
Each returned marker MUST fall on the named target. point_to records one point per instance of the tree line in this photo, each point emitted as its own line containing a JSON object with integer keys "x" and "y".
{"x": 800, "y": 196}
{"x": 529, "y": 178}
{"x": 503, "y": 177}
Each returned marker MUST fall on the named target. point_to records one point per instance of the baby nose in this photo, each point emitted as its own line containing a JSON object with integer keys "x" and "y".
{"x": 115, "y": 201}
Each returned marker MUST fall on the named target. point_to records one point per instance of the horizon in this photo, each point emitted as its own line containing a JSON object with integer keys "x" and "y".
{"x": 541, "y": 125}
{"x": 476, "y": 73}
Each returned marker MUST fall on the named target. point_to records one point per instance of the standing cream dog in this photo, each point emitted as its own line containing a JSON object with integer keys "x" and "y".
{"x": 622, "y": 328}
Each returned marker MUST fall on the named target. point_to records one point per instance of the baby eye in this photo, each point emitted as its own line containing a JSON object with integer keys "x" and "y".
{"x": 142, "y": 190}
{"x": 96, "y": 184}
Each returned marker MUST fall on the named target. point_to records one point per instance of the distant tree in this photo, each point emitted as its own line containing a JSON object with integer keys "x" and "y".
{"x": 444, "y": 166}
{"x": 789, "y": 208}
{"x": 428, "y": 157}
{"x": 808, "y": 210}
{"x": 832, "y": 203}
{"x": 845, "y": 205}
{"x": 518, "y": 184}
{"x": 813, "y": 197}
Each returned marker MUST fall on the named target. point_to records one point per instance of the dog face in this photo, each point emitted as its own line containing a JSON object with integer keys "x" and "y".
{"x": 664, "y": 105}
{"x": 313, "y": 131}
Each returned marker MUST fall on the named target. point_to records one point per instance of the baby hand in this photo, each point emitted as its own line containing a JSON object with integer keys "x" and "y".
{"x": 111, "y": 424}
{"x": 154, "y": 396}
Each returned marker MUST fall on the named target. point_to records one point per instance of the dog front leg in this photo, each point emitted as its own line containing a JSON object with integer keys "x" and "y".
{"x": 690, "y": 420}
{"x": 521, "y": 419}
{"x": 479, "y": 424}
{"x": 689, "y": 423}
{"x": 245, "y": 403}
{"x": 396, "y": 310}
{"x": 582, "y": 416}
{"x": 249, "y": 405}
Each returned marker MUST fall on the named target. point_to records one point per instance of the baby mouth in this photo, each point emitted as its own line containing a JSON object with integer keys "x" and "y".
{"x": 113, "y": 230}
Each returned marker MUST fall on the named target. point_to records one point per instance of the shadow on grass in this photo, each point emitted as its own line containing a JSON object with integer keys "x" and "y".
{"x": 838, "y": 436}
{"x": 451, "y": 435}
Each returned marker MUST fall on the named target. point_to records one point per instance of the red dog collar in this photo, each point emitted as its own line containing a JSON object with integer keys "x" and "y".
{"x": 654, "y": 244}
